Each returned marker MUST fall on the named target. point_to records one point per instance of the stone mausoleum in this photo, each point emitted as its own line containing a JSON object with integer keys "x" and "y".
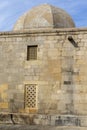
{"x": 43, "y": 70}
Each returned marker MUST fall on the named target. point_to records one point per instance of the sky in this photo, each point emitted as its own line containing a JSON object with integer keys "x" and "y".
{"x": 11, "y": 10}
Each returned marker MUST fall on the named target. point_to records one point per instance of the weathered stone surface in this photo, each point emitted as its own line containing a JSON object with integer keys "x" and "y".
{"x": 59, "y": 72}
{"x": 59, "y": 66}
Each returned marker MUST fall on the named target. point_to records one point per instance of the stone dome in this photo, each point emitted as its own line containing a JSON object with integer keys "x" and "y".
{"x": 44, "y": 16}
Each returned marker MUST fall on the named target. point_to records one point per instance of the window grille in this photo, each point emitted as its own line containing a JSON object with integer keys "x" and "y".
{"x": 30, "y": 96}
{"x": 32, "y": 52}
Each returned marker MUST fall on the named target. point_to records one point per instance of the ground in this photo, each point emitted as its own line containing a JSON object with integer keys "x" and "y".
{"x": 28, "y": 127}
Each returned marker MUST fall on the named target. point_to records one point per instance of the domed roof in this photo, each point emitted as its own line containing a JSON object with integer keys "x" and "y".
{"x": 44, "y": 16}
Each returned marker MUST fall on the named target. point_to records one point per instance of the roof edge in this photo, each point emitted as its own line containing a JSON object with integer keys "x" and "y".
{"x": 35, "y": 31}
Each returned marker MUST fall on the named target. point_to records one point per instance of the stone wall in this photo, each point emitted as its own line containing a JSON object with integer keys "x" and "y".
{"x": 59, "y": 72}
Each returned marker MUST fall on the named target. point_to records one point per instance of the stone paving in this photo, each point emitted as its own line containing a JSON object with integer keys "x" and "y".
{"x": 28, "y": 127}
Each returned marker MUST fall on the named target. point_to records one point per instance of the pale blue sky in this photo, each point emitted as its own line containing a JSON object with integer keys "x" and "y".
{"x": 10, "y": 10}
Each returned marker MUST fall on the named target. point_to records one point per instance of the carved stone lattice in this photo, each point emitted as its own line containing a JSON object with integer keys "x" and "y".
{"x": 30, "y": 96}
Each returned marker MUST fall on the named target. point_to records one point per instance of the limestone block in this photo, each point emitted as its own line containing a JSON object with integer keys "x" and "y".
{"x": 80, "y": 53}
{"x": 3, "y": 87}
{"x": 3, "y": 93}
{"x": 50, "y": 38}
{"x": 80, "y": 36}
{"x": 4, "y": 105}
{"x": 5, "y": 118}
